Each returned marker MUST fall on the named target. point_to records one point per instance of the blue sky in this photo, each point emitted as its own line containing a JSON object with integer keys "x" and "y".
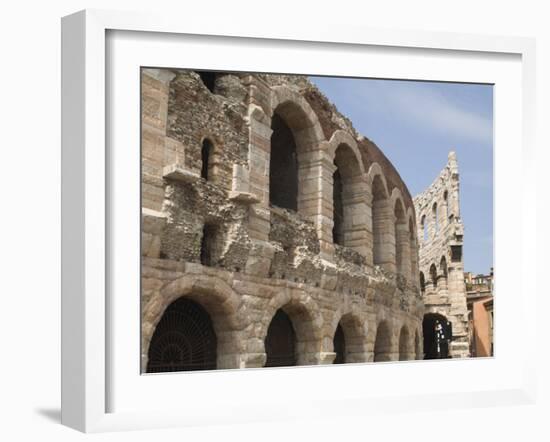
{"x": 416, "y": 124}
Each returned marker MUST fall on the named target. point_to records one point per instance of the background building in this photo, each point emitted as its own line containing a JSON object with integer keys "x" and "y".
{"x": 479, "y": 292}
{"x": 441, "y": 235}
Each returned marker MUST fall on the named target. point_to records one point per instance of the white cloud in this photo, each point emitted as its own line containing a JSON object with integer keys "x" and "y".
{"x": 431, "y": 110}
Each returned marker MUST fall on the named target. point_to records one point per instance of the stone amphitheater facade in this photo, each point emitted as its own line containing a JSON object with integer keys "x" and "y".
{"x": 441, "y": 239}
{"x": 261, "y": 204}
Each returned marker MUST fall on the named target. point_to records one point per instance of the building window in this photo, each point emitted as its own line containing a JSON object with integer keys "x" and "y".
{"x": 206, "y": 156}
{"x": 446, "y": 204}
{"x": 209, "y": 241}
{"x": 338, "y": 229}
{"x": 456, "y": 253}
{"x": 283, "y": 166}
{"x": 208, "y": 78}
{"x": 435, "y": 217}
{"x": 424, "y": 228}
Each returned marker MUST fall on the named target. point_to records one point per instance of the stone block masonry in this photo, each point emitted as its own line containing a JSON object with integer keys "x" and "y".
{"x": 303, "y": 258}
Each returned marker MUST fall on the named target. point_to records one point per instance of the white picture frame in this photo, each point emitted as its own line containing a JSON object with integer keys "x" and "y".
{"x": 87, "y": 210}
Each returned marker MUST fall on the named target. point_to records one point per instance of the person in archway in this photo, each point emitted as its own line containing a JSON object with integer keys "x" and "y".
{"x": 442, "y": 341}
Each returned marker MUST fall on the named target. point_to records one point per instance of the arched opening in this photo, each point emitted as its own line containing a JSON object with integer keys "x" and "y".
{"x": 206, "y": 156}
{"x": 422, "y": 283}
{"x": 404, "y": 344}
{"x": 208, "y": 78}
{"x": 209, "y": 242}
{"x": 424, "y": 228}
{"x": 283, "y": 166}
{"x": 443, "y": 266}
{"x": 347, "y": 193}
{"x": 338, "y": 228}
{"x": 379, "y": 220}
{"x": 280, "y": 342}
{"x": 435, "y": 218}
{"x": 446, "y": 205}
{"x": 437, "y": 331}
{"x": 401, "y": 239}
{"x": 433, "y": 276}
{"x": 184, "y": 340}
{"x": 382, "y": 344}
{"x": 339, "y": 345}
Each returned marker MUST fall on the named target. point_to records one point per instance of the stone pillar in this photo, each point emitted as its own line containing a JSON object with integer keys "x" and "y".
{"x": 402, "y": 250}
{"x": 458, "y": 314}
{"x": 154, "y": 143}
{"x": 315, "y": 197}
{"x": 356, "y": 215}
{"x": 258, "y": 163}
{"x": 383, "y": 221}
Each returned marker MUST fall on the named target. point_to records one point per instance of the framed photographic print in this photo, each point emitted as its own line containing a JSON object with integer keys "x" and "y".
{"x": 283, "y": 223}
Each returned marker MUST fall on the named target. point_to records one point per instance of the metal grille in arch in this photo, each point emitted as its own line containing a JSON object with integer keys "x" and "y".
{"x": 184, "y": 340}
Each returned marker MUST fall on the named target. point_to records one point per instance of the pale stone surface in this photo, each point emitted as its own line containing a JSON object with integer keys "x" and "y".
{"x": 264, "y": 258}
{"x": 441, "y": 237}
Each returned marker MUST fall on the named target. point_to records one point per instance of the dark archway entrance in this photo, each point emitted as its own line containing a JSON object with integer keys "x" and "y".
{"x": 280, "y": 342}
{"x": 283, "y": 166}
{"x": 338, "y": 228}
{"x": 339, "y": 345}
{"x": 437, "y": 331}
{"x": 184, "y": 340}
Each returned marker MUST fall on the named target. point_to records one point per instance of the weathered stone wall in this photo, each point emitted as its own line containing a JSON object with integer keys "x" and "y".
{"x": 441, "y": 238}
{"x": 262, "y": 257}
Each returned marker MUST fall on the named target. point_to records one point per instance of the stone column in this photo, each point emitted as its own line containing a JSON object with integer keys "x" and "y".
{"x": 458, "y": 313}
{"x": 356, "y": 215}
{"x": 383, "y": 221}
{"x": 154, "y": 144}
{"x": 315, "y": 197}
{"x": 403, "y": 250}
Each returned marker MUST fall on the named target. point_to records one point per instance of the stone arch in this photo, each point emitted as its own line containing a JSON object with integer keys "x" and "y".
{"x": 349, "y": 202}
{"x": 299, "y": 114}
{"x": 306, "y": 319}
{"x": 184, "y": 339}
{"x": 383, "y": 247}
{"x": 221, "y": 303}
{"x": 402, "y": 241}
{"x": 376, "y": 171}
{"x": 405, "y": 350}
{"x": 383, "y": 344}
{"x": 445, "y": 203}
{"x": 355, "y": 328}
{"x": 298, "y": 186}
{"x": 431, "y": 348}
{"x": 340, "y": 137}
